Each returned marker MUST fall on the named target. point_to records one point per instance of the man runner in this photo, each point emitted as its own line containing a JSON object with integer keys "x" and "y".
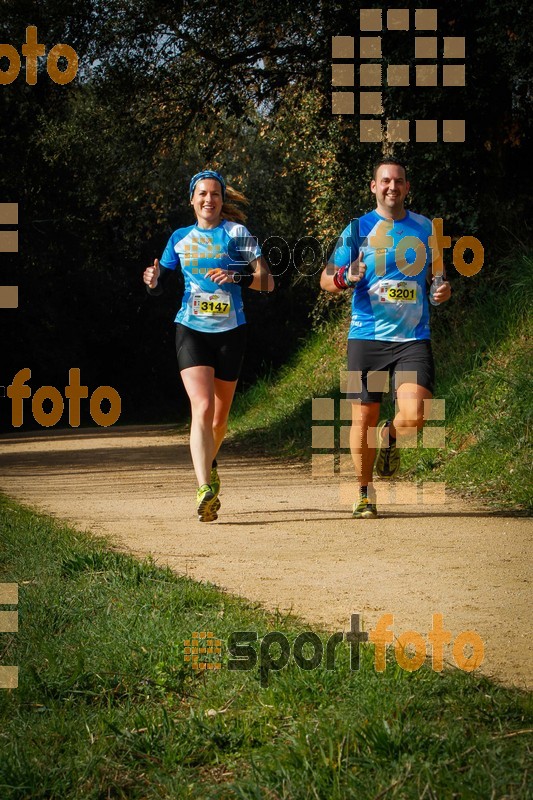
{"x": 389, "y": 331}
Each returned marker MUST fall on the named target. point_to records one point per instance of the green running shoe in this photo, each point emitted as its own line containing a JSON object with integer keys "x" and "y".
{"x": 204, "y": 503}
{"x": 214, "y": 481}
{"x": 364, "y": 509}
{"x": 387, "y": 458}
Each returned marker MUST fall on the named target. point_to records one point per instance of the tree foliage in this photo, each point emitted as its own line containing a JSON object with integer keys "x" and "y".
{"x": 100, "y": 167}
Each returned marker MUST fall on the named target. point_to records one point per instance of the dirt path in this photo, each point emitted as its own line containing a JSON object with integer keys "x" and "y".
{"x": 287, "y": 540}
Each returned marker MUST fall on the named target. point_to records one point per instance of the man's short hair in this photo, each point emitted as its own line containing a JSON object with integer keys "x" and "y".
{"x": 388, "y": 160}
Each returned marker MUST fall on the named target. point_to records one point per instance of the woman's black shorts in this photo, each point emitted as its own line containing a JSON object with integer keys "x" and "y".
{"x": 222, "y": 351}
{"x": 371, "y": 364}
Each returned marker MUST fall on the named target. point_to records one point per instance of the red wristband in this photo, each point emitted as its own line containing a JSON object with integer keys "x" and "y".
{"x": 339, "y": 279}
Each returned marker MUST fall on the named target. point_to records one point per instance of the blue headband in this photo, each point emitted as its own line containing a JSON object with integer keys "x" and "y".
{"x": 207, "y": 173}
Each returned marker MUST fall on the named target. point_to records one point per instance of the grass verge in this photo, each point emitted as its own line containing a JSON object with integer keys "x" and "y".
{"x": 483, "y": 354}
{"x": 108, "y": 708}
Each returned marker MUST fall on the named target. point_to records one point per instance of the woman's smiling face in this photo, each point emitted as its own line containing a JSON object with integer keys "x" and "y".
{"x": 207, "y": 202}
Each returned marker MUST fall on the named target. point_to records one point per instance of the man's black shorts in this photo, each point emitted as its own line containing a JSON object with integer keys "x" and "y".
{"x": 222, "y": 351}
{"x": 404, "y": 362}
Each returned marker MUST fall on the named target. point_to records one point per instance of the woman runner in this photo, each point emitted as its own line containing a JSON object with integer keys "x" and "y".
{"x": 218, "y": 257}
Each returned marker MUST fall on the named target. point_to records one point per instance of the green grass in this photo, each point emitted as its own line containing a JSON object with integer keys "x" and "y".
{"x": 483, "y": 354}
{"x": 107, "y": 708}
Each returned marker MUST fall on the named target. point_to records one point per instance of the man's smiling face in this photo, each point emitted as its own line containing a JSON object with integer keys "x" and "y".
{"x": 390, "y": 187}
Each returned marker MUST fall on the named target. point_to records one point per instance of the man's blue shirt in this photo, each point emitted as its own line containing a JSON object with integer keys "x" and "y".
{"x": 388, "y": 304}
